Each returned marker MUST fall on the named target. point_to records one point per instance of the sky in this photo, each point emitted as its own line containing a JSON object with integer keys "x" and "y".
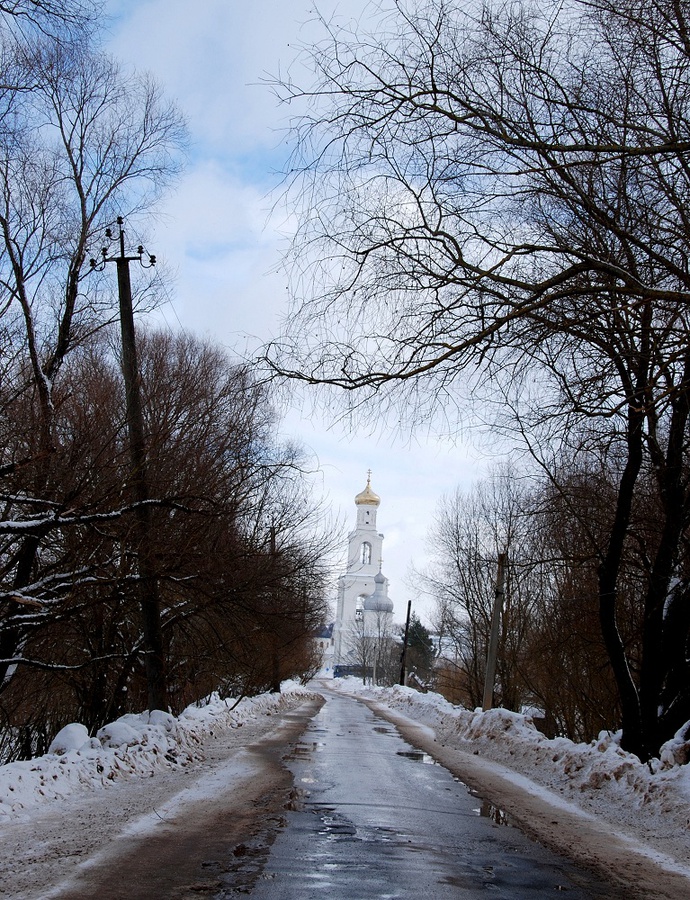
{"x": 221, "y": 234}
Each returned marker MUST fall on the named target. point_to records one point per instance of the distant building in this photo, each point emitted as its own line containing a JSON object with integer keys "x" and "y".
{"x": 362, "y": 589}
{"x": 324, "y": 644}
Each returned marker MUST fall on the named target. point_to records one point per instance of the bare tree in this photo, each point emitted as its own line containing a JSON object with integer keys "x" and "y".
{"x": 86, "y": 142}
{"x": 372, "y": 647}
{"x": 551, "y": 654}
{"x": 361, "y": 648}
{"x": 496, "y": 197}
{"x": 470, "y": 530}
{"x": 50, "y": 14}
{"x": 240, "y": 597}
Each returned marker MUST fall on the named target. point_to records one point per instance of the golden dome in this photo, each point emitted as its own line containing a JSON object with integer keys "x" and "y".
{"x": 367, "y": 497}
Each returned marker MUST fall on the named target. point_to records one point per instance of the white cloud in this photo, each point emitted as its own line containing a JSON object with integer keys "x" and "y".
{"x": 214, "y": 58}
{"x": 216, "y": 232}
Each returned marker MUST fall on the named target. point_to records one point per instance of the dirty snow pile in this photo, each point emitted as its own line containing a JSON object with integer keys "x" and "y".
{"x": 134, "y": 745}
{"x": 652, "y": 801}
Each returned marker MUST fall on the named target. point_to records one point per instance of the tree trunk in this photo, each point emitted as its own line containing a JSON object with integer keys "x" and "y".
{"x": 658, "y": 659}
{"x": 608, "y": 574}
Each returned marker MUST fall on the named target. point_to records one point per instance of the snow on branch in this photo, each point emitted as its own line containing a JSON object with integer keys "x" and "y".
{"x": 41, "y": 525}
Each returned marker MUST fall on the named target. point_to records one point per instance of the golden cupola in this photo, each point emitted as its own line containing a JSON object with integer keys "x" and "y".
{"x": 367, "y": 497}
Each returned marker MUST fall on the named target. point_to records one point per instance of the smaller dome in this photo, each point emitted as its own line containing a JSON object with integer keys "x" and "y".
{"x": 378, "y": 601}
{"x": 367, "y": 497}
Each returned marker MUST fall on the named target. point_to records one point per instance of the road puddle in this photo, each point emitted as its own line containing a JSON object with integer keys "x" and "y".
{"x": 488, "y": 810}
{"x": 333, "y": 824}
{"x": 303, "y": 751}
{"x": 418, "y": 756}
{"x": 498, "y": 816}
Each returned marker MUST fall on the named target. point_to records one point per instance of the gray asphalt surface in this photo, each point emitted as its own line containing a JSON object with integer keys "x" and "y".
{"x": 371, "y": 817}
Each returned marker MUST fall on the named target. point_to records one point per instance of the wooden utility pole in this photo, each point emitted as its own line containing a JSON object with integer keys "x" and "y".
{"x": 273, "y": 624}
{"x": 490, "y": 678}
{"x": 138, "y": 481}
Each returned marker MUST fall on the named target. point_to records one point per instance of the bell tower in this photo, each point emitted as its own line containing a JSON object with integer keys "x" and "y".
{"x": 359, "y": 582}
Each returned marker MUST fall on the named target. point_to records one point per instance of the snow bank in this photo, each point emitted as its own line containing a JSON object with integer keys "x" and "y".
{"x": 134, "y": 745}
{"x": 598, "y": 777}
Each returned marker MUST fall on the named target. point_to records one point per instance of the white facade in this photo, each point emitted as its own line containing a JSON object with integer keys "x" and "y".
{"x": 362, "y": 589}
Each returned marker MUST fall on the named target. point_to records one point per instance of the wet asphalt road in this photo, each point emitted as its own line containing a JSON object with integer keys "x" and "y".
{"x": 372, "y": 818}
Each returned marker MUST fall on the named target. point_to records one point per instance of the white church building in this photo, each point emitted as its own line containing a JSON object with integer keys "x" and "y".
{"x": 362, "y": 588}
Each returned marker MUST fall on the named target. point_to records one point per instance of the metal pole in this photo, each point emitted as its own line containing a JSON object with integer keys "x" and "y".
{"x": 490, "y": 678}
{"x": 403, "y": 658}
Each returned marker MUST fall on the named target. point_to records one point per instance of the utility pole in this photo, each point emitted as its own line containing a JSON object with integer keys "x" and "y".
{"x": 138, "y": 481}
{"x": 274, "y": 601}
{"x": 403, "y": 658}
{"x": 488, "y": 700}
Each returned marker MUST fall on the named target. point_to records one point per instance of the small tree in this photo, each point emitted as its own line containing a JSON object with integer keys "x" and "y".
{"x": 420, "y": 649}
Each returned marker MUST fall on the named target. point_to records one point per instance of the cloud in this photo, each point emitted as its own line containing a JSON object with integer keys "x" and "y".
{"x": 214, "y": 59}
{"x": 217, "y": 232}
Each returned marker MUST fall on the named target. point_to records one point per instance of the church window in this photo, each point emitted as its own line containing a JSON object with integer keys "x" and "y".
{"x": 366, "y": 553}
{"x": 359, "y": 609}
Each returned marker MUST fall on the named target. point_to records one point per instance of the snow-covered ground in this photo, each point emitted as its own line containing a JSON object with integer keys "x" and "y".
{"x": 134, "y": 745}
{"x": 65, "y": 812}
{"x": 649, "y": 804}
{"x": 108, "y": 804}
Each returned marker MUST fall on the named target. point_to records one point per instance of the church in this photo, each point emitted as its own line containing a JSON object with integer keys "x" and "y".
{"x": 362, "y": 589}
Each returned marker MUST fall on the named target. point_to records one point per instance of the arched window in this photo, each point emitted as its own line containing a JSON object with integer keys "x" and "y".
{"x": 366, "y": 553}
{"x": 359, "y": 610}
